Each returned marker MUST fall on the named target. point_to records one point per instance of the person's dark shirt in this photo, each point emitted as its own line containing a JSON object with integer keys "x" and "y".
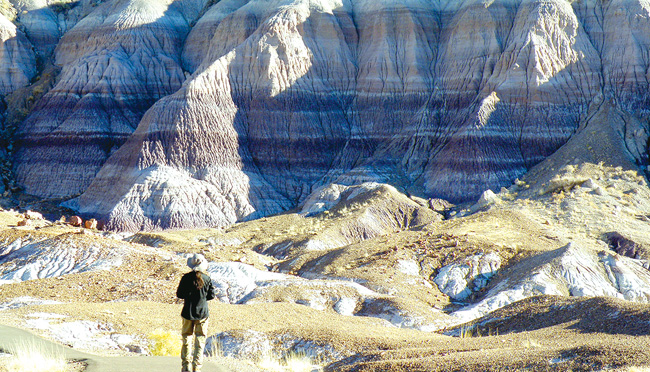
{"x": 196, "y": 300}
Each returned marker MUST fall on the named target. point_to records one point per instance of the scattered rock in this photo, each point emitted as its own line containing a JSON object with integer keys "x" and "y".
{"x": 590, "y": 184}
{"x": 31, "y": 215}
{"x": 75, "y": 221}
{"x": 90, "y": 224}
{"x": 460, "y": 279}
{"x": 564, "y": 182}
{"x": 440, "y": 205}
{"x": 623, "y": 246}
{"x": 421, "y": 201}
{"x": 487, "y": 199}
{"x": 24, "y": 223}
{"x": 599, "y": 191}
{"x": 137, "y": 349}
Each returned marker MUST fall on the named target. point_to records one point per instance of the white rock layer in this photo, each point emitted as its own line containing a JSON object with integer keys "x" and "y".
{"x": 567, "y": 271}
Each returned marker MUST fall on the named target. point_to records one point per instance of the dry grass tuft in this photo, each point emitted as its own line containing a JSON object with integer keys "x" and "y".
{"x": 531, "y": 344}
{"x": 35, "y": 357}
{"x": 295, "y": 362}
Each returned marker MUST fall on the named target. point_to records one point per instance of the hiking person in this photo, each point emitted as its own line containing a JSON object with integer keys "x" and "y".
{"x": 196, "y": 289}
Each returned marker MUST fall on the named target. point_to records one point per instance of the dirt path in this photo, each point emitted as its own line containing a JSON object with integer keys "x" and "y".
{"x": 10, "y": 336}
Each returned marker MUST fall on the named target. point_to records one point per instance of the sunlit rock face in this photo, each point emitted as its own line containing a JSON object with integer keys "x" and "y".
{"x": 534, "y": 72}
{"x": 17, "y": 60}
{"x": 116, "y": 62}
{"x": 41, "y": 25}
{"x": 46, "y": 21}
{"x": 443, "y": 98}
{"x": 17, "y": 68}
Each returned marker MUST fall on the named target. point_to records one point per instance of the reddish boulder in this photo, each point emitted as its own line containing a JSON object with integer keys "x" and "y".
{"x": 75, "y": 221}
{"x": 91, "y": 224}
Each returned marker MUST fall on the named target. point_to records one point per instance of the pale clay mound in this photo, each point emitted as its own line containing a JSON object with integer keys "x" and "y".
{"x": 377, "y": 278}
{"x": 191, "y": 114}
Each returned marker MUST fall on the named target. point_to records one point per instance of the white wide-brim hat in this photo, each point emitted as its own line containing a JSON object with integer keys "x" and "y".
{"x": 197, "y": 262}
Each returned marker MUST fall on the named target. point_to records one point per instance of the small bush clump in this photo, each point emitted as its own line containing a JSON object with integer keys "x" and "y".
{"x": 164, "y": 343}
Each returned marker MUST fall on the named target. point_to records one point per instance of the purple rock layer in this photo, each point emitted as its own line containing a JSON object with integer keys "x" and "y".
{"x": 443, "y": 98}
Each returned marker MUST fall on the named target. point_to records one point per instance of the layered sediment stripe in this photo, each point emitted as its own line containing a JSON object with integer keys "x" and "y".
{"x": 115, "y": 63}
{"x": 446, "y": 99}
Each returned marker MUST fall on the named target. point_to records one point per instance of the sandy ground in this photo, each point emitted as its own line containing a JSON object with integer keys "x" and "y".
{"x": 524, "y": 222}
{"x": 565, "y": 338}
{"x": 541, "y": 334}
